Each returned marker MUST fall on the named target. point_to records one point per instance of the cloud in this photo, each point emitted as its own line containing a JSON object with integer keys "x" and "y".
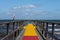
{"x": 25, "y": 6}
{"x": 16, "y": 7}
{"x": 22, "y": 8}
{"x": 29, "y": 6}
{"x": 26, "y": 11}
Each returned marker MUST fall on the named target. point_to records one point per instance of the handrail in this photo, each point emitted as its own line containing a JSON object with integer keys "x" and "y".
{"x": 50, "y": 34}
{"x": 43, "y": 37}
{"x": 45, "y": 30}
{"x": 48, "y": 21}
{"x": 9, "y": 21}
{"x": 13, "y": 34}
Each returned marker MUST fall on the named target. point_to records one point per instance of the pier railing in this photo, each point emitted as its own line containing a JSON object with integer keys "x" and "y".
{"x": 15, "y": 31}
{"x": 13, "y": 35}
{"x": 43, "y": 29}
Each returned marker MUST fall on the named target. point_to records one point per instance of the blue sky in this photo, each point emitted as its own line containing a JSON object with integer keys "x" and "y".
{"x": 30, "y": 9}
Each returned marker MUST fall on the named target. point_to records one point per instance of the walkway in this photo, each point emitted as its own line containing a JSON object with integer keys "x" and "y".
{"x": 30, "y": 33}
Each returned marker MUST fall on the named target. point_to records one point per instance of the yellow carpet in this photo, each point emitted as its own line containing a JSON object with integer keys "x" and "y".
{"x": 30, "y": 30}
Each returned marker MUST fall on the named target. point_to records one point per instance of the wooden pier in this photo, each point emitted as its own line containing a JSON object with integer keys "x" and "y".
{"x": 31, "y": 30}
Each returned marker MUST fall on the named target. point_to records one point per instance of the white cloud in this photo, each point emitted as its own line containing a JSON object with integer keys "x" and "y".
{"x": 16, "y": 7}
{"x": 25, "y": 6}
{"x": 25, "y": 11}
{"x": 26, "y": 14}
{"x": 30, "y": 6}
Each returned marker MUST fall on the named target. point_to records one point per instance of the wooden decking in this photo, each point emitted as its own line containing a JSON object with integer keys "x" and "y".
{"x": 29, "y": 33}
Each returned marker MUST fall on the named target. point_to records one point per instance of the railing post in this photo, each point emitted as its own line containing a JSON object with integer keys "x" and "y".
{"x": 15, "y": 34}
{"x": 13, "y": 25}
{"x": 13, "y": 30}
{"x": 43, "y": 29}
{"x": 7, "y": 28}
{"x": 52, "y": 30}
{"x": 18, "y": 32}
{"x": 46, "y": 31}
{"x": 18, "y": 24}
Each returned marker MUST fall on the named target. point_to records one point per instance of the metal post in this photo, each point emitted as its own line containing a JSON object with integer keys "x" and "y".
{"x": 7, "y": 28}
{"x": 52, "y": 30}
{"x": 46, "y": 31}
{"x": 18, "y": 27}
{"x": 13, "y": 30}
{"x": 18, "y": 32}
{"x": 18, "y": 24}
{"x": 43, "y": 29}
{"x": 15, "y": 34}
{"x": 13, "y": 25}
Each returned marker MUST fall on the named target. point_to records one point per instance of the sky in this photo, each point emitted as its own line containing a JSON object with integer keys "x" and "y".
{"x": 30, "y": 9}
